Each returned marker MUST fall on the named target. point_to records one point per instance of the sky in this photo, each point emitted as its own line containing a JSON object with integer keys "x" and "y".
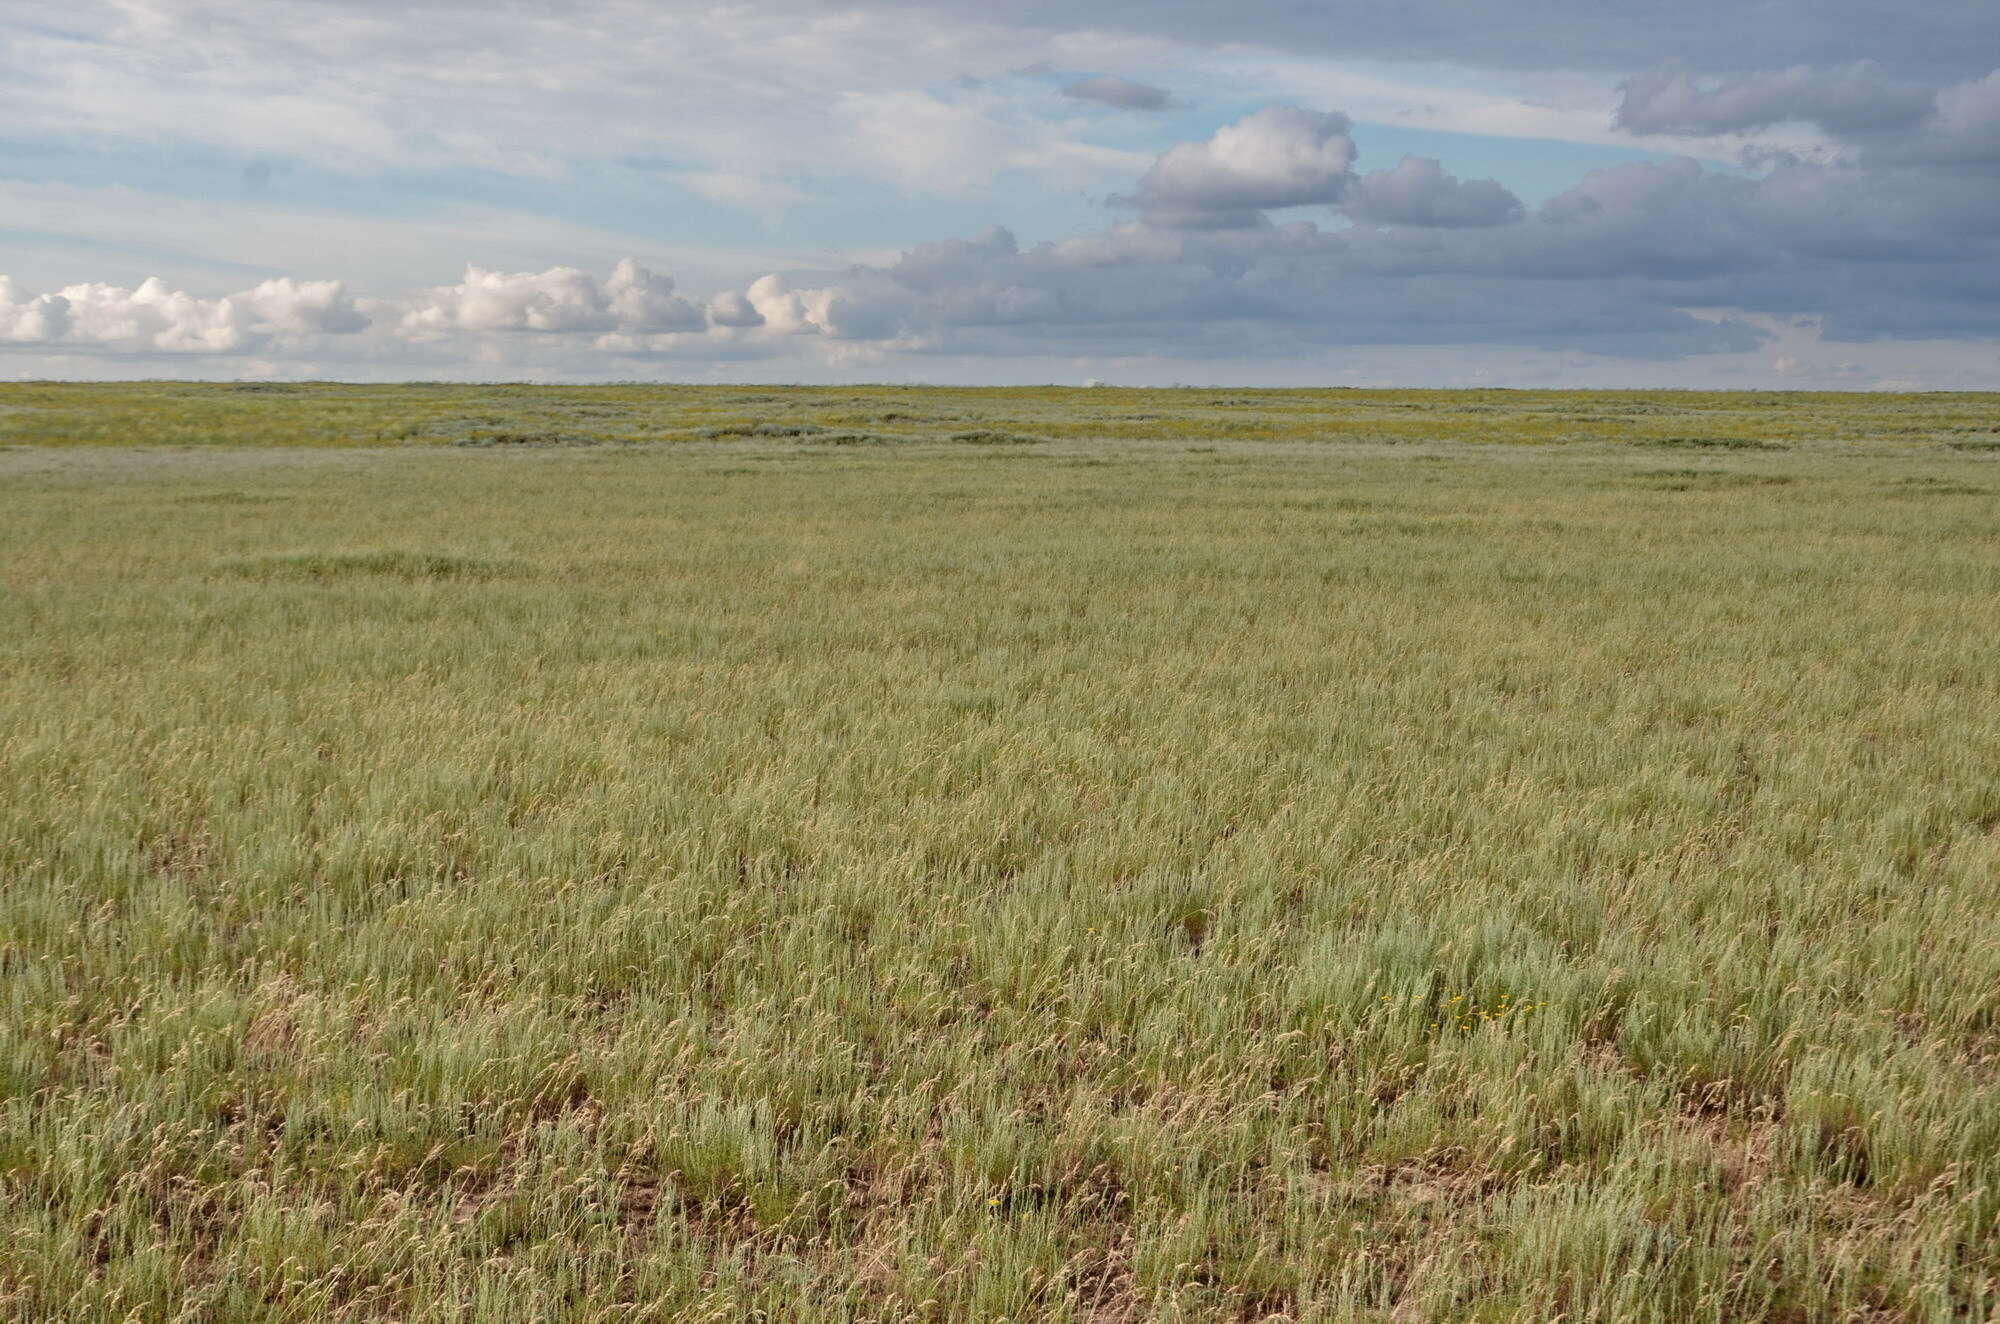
{"x": 1703, "y": 193}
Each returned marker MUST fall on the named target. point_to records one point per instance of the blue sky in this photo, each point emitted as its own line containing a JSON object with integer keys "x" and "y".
{"x": 1442, "y": 192}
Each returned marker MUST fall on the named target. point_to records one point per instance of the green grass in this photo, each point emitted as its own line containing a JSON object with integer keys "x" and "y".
{"x": 46, "y": 414}
{"x": 1338, "y": 869}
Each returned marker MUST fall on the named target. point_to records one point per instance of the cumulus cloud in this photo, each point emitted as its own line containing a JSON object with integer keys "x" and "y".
{"x": 154, "y": 317}
{"x": 785, "y": 310}
{"x": 1649, "y": 260}
{"x": 859, "y": 305}
{"x": 1851, "y": 99}
{"x": 1121, "y": 93}
{"x": 1419, "y": 192}
{"x": 734, "y": 310}
{"x": 1632, "y": 260}
{"x": 1280, "y": 156}
{"x": 304, "y": 307}
{"x": 1139, "y": 288}
{"x": 562, "y": 299}
{"x": 31, "y": 319}
{"x": 1286, "y": 156}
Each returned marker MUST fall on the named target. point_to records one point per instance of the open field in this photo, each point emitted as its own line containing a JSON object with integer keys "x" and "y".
{"x": 285, "y": 414}
{"x": 881, "y": 854}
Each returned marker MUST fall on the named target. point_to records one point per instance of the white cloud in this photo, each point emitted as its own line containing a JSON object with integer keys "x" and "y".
{"x": 1890, "y": 233}
{"x": 311, "y": 307}
{"x": 782, "y": 309}
{"x": 25, "y": 319}
{"x": 861, "y": 306}
{"x": 638, "y": 300}
{"x": 1280, "y": 156}
{"x": 733, "y": 310}
{"x": 154, "y": 317}
{"x": 633, "y": 300}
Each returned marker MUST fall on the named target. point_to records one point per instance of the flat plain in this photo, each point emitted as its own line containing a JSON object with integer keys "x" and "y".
{"x": 644, "y": 853}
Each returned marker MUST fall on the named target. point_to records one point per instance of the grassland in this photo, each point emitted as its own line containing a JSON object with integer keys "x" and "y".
{"x": 846, "y": 855}
{"x": 154, "y": 414}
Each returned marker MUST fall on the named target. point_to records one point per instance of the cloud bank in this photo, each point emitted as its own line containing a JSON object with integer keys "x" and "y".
{"x": 1856, "y": 98}
{"x": 631, "y": 300}
{"x": 823, "y": 144}
{"x": 1634, "y": 261}
{"x": 153, "y": 317}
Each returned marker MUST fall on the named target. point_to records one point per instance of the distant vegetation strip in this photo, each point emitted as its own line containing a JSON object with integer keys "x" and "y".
{"x": 416, "y": 414}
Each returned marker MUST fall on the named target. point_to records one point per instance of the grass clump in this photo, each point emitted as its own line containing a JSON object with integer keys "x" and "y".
{"x": 1691, "y": 480}
{"x": 994, "y": 437}
{"x": 762, "y": 430}
{"x": 327, "y": 567}
{"x": 1928, "y": 486}
{"x": 540, "y": 438}
{"x": 1712, "y": 443}
{"x": 228, "y": 498}
{"x": 850, "y": 438}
